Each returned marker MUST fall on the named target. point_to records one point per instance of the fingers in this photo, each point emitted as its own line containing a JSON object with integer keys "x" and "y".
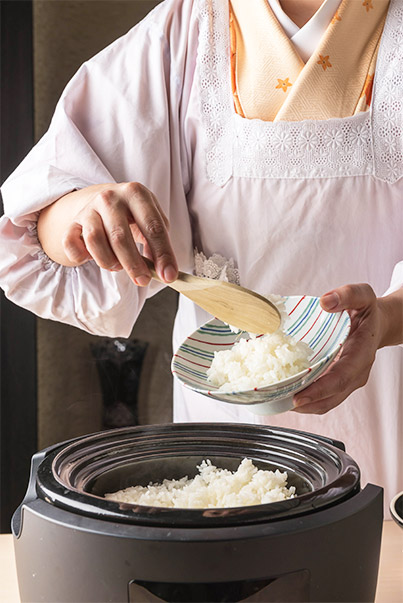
{"x": 108, "y": 227}
{"x": 96, "y": 241}
{"x": 319, "y": 408}
{"x": 152, "y": 224}
{"x": 320, "y": 397}
{"x": 352, "y": 368}
{"x": 345, "y": 375}
{"x": 327, "y": 392}
{"x": 349, "y": 297}
{"x": 114, "y": 215}
{"x": 74, "y": 245}
{"x": 87, "y": 240}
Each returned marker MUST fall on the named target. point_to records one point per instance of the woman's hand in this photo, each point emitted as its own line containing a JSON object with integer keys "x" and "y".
{"x": 375, "y": 322}
{"x": 103, "y": 223}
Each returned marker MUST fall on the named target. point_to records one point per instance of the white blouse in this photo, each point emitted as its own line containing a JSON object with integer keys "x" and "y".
{"x": 301, "y": 207}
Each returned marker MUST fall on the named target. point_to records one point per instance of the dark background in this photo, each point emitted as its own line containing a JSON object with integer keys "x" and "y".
{"x": 18, "y": 429}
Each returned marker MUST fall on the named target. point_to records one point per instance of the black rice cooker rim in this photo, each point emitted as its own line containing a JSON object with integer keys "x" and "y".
{"x": 69, "y": 475}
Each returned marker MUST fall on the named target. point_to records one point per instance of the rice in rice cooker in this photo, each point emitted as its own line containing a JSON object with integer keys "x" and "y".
{"x": 213, "y": 487}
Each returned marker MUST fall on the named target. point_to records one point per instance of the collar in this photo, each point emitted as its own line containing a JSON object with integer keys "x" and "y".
{"x": 306, "y": 38}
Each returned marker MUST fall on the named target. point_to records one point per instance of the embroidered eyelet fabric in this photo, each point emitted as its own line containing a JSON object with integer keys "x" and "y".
{"x": 216, "y": 267}
{"x": 370, "y": 143}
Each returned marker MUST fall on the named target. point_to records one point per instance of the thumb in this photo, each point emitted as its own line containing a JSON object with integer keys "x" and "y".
{"x": 349, "y": 297}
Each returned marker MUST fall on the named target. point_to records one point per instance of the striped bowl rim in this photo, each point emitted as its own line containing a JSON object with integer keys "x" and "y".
{"x": 324, "y": 332}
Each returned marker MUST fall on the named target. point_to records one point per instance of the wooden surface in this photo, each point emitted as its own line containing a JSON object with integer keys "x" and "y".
{"x": 390, "y": 582}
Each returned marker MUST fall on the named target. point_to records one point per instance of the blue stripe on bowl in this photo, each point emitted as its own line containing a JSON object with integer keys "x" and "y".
{"x": 327, "y": 332}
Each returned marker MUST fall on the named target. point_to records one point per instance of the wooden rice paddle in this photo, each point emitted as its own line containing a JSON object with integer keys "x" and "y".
{"x": 230, "y": 303}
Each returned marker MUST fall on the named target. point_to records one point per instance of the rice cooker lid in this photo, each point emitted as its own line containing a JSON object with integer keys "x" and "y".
{"x": 77, "y": 474}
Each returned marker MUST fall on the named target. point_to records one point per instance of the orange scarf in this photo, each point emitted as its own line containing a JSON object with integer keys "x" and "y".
{"x": 271, "y": 82}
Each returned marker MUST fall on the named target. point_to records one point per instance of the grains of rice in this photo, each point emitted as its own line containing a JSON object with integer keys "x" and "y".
{"x": 212, "y": 488}
{"x": 258, "y": 362}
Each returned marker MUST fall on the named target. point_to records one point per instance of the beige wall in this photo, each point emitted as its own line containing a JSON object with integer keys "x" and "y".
{"x": 65, "y": 34}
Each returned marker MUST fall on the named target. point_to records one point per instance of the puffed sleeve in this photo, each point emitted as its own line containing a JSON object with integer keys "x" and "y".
{"x": 118, "y": 120}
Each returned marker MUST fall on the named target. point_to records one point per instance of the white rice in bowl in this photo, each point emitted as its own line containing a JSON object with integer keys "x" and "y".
{"x": 212, "y": 488}
{"x": 258, "y": 362}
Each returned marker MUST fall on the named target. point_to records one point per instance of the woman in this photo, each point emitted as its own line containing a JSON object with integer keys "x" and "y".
{"x": 228, "y": 127}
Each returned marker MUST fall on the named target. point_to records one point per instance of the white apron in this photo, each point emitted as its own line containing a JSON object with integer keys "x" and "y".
{"x": 304, "y": 207}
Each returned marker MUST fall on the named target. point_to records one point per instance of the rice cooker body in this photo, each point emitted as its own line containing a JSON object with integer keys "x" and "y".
{"x": 66, "y": 552}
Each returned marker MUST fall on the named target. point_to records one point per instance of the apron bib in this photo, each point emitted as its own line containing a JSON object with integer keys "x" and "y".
{"x": 368, "y": 143}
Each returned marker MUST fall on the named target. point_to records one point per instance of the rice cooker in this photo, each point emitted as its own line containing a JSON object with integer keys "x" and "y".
{"x": 74, "y": 545}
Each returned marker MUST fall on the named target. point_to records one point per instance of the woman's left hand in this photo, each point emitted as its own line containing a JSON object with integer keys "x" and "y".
{"x": 369, "y": 331}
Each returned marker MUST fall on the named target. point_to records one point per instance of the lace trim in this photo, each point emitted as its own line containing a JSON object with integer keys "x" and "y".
{"x": 388, "y": 113}
{"x": 219, "y": 268}
{"x": 216, "y": 99}
{"x": 337, "y": 147}
{"x": 367, "y": 143}
{"x": 216, "y": 267}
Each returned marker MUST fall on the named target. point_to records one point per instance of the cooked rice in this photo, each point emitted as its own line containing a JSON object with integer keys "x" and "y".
{"x": 258, "y": 362}
{"x": 212, "y": 488}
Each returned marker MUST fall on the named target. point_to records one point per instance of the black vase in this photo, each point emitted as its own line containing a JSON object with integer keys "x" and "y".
{"x": 119, "y": 363}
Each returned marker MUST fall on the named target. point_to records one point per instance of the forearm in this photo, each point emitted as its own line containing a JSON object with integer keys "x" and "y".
{"x": 54, "y": 220}
{"x": 106, "y": 223}
{"x": 391, "y": 307}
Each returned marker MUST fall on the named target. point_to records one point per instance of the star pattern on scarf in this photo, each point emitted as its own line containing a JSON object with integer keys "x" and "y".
{"x": 324, "y": 61}
{"x": 336, "y": 17}
{"x": 368, "y": 5}
{"x": 284, "y": 84}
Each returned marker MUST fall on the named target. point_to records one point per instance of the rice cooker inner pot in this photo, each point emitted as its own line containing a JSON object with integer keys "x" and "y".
{"x": 76, "y": 475}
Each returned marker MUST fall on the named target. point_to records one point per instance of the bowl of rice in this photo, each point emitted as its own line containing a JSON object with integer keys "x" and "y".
{"x": 262, "y": 371}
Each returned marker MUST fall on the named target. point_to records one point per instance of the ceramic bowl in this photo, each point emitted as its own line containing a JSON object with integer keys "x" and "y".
{"x": 325, "y": 334}
{"x": 396, "y": 508}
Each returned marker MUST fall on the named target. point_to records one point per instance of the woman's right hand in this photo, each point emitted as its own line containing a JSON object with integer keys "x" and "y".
{"x": 103, "y": 223}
